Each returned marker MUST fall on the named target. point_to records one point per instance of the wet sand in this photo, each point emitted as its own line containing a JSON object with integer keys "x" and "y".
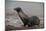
{"x": 21, "y": 27}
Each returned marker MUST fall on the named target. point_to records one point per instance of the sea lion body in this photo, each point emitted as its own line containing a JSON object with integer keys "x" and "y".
{"x": 34, "y": 20}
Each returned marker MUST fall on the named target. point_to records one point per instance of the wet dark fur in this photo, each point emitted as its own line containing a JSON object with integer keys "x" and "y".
{"x": 34, "y": 20}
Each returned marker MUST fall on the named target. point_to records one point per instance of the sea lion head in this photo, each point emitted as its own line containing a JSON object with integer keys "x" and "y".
{"x": 18, "y": 9}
